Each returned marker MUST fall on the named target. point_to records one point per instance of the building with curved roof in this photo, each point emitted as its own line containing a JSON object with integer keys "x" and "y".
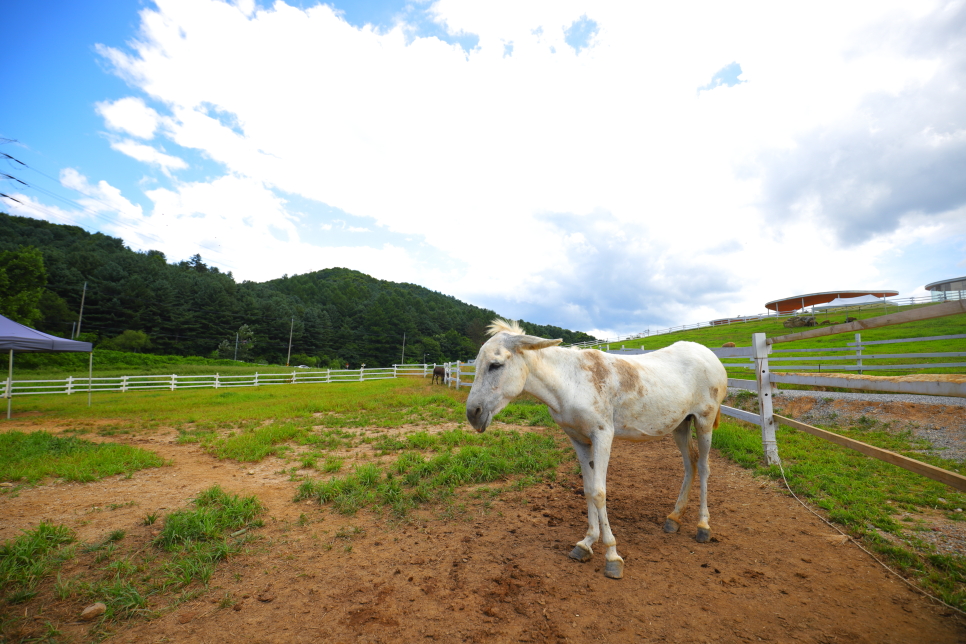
{"x": 797, "y": 302}
{"x": 951, "y": 289}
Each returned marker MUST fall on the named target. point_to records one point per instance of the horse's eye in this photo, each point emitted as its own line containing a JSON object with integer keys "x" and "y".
{"x": 494, "y": 366}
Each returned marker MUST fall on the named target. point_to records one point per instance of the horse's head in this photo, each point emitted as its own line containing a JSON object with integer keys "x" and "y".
{"x": 501, "y": 371}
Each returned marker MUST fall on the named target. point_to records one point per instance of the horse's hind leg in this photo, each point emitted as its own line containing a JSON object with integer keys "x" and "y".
{"x": 682, "y": 438}
{"x": 704, "y": 428}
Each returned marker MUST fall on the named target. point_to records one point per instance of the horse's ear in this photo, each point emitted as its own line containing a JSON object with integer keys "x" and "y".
{"x": 530, "y": 342}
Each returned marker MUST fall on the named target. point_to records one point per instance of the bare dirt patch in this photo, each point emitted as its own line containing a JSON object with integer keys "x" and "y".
{"x": 772, "y": 571}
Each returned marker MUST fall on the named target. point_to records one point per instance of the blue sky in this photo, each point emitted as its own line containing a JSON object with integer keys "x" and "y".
{"x": 601, "y": 166}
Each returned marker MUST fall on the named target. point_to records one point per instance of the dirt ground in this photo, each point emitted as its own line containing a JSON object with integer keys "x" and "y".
{"x": 772, "y": 572}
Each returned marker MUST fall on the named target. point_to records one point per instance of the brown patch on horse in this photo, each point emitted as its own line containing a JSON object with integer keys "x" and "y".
{"x": 714, "y": 392}
{"x": 629, "y": 378}
{"x": 594, "y": 364}
{"x": 717, "y": 419}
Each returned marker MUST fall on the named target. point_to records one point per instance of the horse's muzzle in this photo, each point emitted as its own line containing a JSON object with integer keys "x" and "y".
{"x": 478, "y": 418}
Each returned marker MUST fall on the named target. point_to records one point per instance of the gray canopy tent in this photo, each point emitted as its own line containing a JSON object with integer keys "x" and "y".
{"x": 17, "y": 337}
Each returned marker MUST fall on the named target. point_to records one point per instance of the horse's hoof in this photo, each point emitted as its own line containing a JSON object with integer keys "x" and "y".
{"x": 580, "y": 553}
{"x": 614, "y": 569}
{"x": 704, "y": 535}
{"x": 670, "y": 525}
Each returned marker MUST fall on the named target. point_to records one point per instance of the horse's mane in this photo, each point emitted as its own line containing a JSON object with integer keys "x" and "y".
{"x": 506, "y": 326}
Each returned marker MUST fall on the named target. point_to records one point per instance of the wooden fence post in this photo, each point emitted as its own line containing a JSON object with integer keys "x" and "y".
{"x": 328, "y": 375}
{"x": 174, "y": 381}
{"x": 763, "y": 376}
{"x": 217, "y": 382}
{"x": 858, "y": 352}
{"x": 70, "y": 385}
{"x": 293, "y": 376}
{"x": 256, "y": 378}
{"x": 123, "y": 384}
{"x": 458, "y": 364}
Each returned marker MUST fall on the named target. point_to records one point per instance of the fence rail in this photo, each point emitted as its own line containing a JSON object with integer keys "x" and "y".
{"x": 834, "y": 363}
{"x": 76, "y": 385}
{"x": 765, "y": 381}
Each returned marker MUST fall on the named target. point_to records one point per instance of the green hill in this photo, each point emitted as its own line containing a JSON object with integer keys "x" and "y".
{"x": 138, "y": 301}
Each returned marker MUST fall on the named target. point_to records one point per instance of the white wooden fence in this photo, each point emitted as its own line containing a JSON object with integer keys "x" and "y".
{"x": 72, "y": 385}
{"x": 765, "y": 385}
{"x": 459, "y": 374}
{"x": 824, "y": 363}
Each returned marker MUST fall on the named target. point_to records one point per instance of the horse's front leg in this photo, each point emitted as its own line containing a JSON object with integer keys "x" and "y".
{"x": 594, "y": 459}
{"x": 583, "y": 551}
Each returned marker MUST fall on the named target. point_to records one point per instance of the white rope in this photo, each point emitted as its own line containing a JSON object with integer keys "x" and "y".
{"x": 859, "y": 545}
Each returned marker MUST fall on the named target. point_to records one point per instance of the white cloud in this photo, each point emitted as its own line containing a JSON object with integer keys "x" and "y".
{"x": 339, "y": 225}
{"x": 663, "y": 193}
{"x": 147, "y": 154}
{"x": 240, "y": 225}
{"x": 131, "y": 116}
{"x": 102, "y": 197}
{"x": 23, "y": 205}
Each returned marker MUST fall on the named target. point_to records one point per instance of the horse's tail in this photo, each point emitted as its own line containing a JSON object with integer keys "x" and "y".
{"x": 717, "y": 419}
{"x": 693, "y": 451}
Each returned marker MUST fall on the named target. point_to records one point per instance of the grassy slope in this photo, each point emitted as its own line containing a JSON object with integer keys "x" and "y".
{"x": 741, "y": 333}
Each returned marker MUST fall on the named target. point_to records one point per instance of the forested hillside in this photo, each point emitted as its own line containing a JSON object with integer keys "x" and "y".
{"x": 137, "y": 301}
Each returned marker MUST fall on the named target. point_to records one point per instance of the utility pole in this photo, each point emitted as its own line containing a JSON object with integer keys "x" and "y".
{"x": 291, "y": 328}
{"x": 236, "y": 346}
{"x": 404, "y": 348}
{"x": 81, "y": 316}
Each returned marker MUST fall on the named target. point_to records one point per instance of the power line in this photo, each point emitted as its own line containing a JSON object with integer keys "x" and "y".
{"x": 94, "y": 213}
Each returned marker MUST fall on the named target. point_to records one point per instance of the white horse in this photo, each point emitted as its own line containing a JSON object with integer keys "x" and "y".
{"x": 596, "y": 397}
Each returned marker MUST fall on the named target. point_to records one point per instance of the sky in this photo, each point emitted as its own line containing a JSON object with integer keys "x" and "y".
{"x": 603, "y": 166}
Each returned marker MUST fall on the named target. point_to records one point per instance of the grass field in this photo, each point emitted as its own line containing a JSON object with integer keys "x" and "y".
{"x": 414, "y": 468}
{"x": 32, "y": 457}
{"x": 312, "y": 427}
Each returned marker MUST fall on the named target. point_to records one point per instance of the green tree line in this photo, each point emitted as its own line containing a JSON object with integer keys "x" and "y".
{"x": 138, "y": 301}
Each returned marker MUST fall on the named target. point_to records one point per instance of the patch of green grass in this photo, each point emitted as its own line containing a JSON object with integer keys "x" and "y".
{"x": 864, "y": 494}
{"x": 216, "y": 512}
{"x": 526, "y": 412}
{"x": 136, "y": 580}
{"x": 33, "y": 456}
{"x": 196, "y": 435}
{"x": 327, "y": 438}
{"x": 255, "y": 444}
{"x": 463, "y": 458}
{"x": 26, "y": 560}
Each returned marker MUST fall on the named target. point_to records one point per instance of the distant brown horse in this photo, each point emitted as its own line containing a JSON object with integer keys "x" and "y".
{"x": 438, "y": 372}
